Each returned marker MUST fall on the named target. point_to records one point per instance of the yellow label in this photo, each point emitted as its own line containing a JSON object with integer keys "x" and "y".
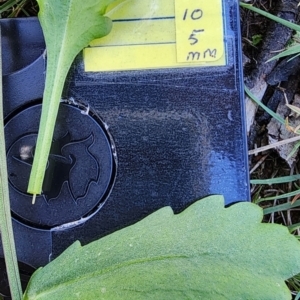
{"x": 154, "y": 34}
{"x": 199, "y": 30}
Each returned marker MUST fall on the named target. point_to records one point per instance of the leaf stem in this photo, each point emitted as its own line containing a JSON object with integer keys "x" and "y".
{"x": 6, "y": 229}
{"x": 67, "y": 30}
{"x": 51, "y": 99}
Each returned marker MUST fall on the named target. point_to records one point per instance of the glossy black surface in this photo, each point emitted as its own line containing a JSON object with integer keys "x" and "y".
{"x": 78, "y": 174}
{"x": 155, "y": 137}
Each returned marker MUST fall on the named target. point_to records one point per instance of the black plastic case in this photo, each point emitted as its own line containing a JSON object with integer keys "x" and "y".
{"x": 126, "y": 143}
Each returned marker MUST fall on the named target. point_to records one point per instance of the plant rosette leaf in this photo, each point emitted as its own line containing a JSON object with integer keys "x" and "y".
{"x": 68, "y": 26}
{"x": 205, "y": 252}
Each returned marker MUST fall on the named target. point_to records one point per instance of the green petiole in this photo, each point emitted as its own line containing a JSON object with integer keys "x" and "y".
{"x": 68, "y": 27}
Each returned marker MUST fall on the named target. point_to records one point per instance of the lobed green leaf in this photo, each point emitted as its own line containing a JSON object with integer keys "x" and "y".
{"x": 205, "y": 252}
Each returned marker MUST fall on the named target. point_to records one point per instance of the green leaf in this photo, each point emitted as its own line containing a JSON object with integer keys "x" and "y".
{"x": 68, "y": 27}
{"x": 267, "y": 109}
{"x": 281, "y": 196}
{"x": 6, "y": 229}
{"x": 256, "y": 39}
{"x": 294, "y": 150}
{"x": 271, "y": 17}
{"x": 294, "y": 49}
{"x": 276, "y": 180}
{"x": 205, "y": 252}
{"x": 294, "y": 227}
{"x": 283, "y": 207}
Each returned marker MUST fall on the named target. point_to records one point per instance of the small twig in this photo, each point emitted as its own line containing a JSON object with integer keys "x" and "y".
{"x": 258, "y": 163}
{"x": 264, "y": 148}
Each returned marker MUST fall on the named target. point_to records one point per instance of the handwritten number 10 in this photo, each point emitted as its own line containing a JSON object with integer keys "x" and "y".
{"x": 196, "y": 14}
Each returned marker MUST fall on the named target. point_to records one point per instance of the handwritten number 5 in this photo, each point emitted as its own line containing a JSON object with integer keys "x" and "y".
{"x": 194, "y": 40}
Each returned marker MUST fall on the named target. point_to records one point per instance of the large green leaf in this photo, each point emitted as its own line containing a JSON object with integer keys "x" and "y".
{"x": 205, "y": 252}
{"x": 68, "y": 27}
{"x": 6, "y": 230}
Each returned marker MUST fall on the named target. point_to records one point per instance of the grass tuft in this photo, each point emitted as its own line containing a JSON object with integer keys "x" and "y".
{"x": 18, "y": 8}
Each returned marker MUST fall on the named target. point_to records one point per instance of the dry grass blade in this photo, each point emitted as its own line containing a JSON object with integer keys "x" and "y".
{"x": 278, "y": 144}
